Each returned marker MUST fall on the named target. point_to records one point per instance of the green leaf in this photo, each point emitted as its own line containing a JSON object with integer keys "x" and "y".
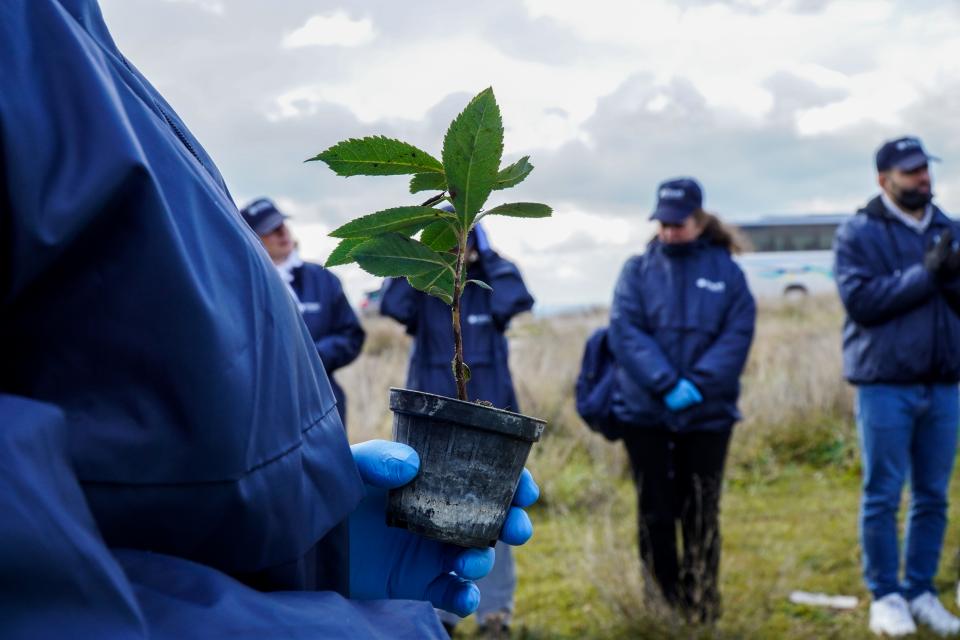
{"x": 394, "y": 255}
{"x": 481, "y": 284}
{"x": 395, "y": 219}
{"x": 341, "y": 254}
{"x": 439, "y": 236}
{"x": 466, "y": 370}
{"x": 377, "y": 156}
{"x": 428, "y": 182}
{"x": 472, "y": 149}
{"x": 514, "y": 174}
{"x": 520, "y": 210}
{"x": 438, "y": 282}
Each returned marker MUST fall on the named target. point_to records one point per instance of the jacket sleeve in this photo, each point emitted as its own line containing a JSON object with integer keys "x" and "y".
{"x": 401, "y": 302}
{"x": 510, "y": 296}
{"x": 67, "y": 578}
{"x": 718, "y": 370}
{"x": 874, "y": 298}
{"x": 634, "y": 349}
{"x": 343, "y": 342}
{"x": 59, "y": 573}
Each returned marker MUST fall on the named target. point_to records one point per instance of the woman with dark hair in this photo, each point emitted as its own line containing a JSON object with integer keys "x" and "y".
{"x": 681, "y": 325}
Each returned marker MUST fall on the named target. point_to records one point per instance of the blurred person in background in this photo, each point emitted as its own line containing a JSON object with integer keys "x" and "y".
{"x": 898, "y": 272}
{"x": 485, "y": 318}
{"x": 333, "y": 326}
{"x": 681, "y": 326}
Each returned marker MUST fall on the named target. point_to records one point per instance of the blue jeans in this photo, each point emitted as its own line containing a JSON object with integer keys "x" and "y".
{"x": 905, "y": 429}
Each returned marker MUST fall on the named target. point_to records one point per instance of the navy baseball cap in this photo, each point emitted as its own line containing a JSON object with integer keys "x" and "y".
{"x": 905, "y": 154}
{"x": 262, "y": 216}
{"x": 676, "y": 200}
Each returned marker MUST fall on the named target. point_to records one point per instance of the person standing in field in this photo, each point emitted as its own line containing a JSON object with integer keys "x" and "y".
{"x": 897, "y": 269}
{"x": 333, "y": 325}
{"x": 486, "y": 315}
{"x": 681, "y": 326}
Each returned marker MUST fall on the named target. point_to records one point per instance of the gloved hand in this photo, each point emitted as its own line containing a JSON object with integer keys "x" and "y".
{"x": 386, "y": 562}
{"x": 943, "y": 258}
{"x": 684, "y": 394}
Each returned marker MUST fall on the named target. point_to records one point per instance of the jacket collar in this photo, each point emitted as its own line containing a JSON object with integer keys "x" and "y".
{"x": 876, "y": 208}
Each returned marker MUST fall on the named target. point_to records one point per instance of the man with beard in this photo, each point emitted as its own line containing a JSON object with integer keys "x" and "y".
{"x": 897, "y": 268}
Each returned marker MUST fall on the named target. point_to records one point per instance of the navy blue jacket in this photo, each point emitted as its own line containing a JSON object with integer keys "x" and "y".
{"x": 899, "y": 327}
{"x": 680, "y": 312}
{"x": 159, "y": 390}
{"x": 331, "y": 322}
{"x": 485, "y": 316}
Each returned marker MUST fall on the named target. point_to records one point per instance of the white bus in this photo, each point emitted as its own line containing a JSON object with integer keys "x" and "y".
{"x": 789, "y": 256}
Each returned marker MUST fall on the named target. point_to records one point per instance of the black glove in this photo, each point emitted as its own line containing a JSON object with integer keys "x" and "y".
{"x": 943, "y": 258}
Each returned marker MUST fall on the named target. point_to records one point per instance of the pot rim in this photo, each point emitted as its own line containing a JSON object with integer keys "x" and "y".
{"x": 470, "y": 414}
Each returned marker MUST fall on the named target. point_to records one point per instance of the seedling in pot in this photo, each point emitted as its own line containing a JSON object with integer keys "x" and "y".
{"x": 471, "y": 454}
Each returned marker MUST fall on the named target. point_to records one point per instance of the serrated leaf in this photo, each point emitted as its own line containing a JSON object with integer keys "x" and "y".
{"x": 428, "y": 182}
{"x": 377, "y": 156}
{"x": 341, "y": 254}
{"x": 481, "y": 284}
{"x": 513, "y": 174}
{"x": 520, "y": 210}
{"x": 395, "y": 219}
{"x": 438, "y": 282}
{"x": 439, "y": 236}
{"x": 472, "y": 149}
{"x": 394, "y": 255}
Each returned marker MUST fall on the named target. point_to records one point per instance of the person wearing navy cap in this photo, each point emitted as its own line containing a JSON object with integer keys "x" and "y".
{"x": 333, "y": 325}
{"x": 681, "y": 326}
{"x": 898, "y": 272}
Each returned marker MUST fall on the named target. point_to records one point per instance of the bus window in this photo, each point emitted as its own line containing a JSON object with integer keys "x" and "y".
{"x": 794, "y": 237}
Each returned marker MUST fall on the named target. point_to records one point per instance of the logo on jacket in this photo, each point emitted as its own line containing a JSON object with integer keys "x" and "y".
{"x": 310, "y": 307}
{"x": 710, "y": 285}
{"x": 479, "y": 318}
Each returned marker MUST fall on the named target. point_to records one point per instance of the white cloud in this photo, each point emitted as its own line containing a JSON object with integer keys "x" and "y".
{"x": 211, "y": 6}
{"x": 335, "y": 29}
{"x": 528, "y": 92}
{"x": 776, "y": 105}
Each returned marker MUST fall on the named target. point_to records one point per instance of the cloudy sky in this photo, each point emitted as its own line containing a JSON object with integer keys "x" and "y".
{"x": 775, "y": 105}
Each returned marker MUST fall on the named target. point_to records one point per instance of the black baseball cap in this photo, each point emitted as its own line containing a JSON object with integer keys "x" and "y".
{"x": 677, "y": 199}
{"x": 262, "y": 216}
{"x": 906, "y": 154}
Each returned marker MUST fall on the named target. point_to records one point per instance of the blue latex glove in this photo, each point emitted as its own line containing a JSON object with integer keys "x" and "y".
{"x": 386, "y": 562}
{"x": 684, "y": 394}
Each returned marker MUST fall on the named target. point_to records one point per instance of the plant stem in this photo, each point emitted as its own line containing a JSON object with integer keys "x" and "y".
{"x": 457, "y": 333}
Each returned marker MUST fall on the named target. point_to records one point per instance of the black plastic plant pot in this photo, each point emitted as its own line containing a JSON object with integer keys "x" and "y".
{"x": 471, "y": 457}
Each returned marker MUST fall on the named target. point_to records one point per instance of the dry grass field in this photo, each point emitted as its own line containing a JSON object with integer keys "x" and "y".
{"x": 789, "y": 507}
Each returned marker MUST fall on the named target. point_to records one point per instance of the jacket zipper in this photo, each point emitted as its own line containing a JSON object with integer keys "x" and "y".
{"x": 177, "y": 131}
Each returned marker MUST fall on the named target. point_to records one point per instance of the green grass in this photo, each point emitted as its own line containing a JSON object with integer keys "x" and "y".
{"x": 579, "y": 576}
{"x": 789, "y": 517}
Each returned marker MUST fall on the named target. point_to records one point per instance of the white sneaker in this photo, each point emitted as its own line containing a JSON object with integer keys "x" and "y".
{"x": 928, "y": 610}
{"x": 890, "y": 616}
